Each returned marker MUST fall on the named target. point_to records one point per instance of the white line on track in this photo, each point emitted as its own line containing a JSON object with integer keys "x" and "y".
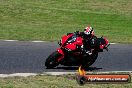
{"x": 54, "y": 73}
{"x": 17, "y": 74}
{"x": 39, "y": 41}
{"x": 11, "y": 40}
{"x": 112, "y": 43}
{"x": 63, "y": 73}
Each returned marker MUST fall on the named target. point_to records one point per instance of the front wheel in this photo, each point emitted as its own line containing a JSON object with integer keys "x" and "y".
{"x": 51, "y": 61}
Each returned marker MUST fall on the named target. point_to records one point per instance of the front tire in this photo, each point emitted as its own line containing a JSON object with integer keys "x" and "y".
{"x": 51, "y": 61}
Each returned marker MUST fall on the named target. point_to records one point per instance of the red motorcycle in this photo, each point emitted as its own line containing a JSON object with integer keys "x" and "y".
{"x": 69, "y": 55}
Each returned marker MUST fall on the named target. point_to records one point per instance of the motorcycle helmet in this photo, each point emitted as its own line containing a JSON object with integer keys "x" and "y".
{"x": 88, "y": 31}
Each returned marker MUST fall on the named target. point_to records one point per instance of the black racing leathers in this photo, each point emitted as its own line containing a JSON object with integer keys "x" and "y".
{"x": 90, "y": 45}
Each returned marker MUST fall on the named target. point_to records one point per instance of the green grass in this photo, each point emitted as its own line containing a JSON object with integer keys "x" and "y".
{"x": 50, "y": 19}
{"x": 66, "y": 81}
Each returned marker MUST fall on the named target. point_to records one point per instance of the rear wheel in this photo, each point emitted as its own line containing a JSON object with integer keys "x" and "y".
{"x": 93, "y": 59}
{"x": 89, "y": 60}
{"x": 51, "y": 61}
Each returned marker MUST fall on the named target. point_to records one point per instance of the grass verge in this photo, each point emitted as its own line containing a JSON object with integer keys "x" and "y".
{"x": 50, "y": 19}
{"x": 48, "y": 81}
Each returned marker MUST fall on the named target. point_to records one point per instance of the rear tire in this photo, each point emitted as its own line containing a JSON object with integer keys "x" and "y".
{"x": 93, "y": 59}
{"x": 51, "y": 61}
{"x": 89, "y": 60}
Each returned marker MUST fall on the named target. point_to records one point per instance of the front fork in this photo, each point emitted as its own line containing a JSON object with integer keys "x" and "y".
{"x": 59, "y": 50}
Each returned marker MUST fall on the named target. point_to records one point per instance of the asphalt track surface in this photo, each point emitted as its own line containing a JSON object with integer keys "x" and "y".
{"x": 29, "y": 57}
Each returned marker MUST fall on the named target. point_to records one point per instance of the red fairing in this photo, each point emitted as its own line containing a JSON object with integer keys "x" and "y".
{"x": 71, "y": 46}
{"x": 65, "y": 37}
{"x": 61, "y": 52}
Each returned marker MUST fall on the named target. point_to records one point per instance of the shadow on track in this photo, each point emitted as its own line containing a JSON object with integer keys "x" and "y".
{"x": 76, "y": 68}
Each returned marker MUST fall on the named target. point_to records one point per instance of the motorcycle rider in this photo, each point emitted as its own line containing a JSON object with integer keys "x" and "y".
{"x": 89, "y": 40}
{"x": 90, "y": 43}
